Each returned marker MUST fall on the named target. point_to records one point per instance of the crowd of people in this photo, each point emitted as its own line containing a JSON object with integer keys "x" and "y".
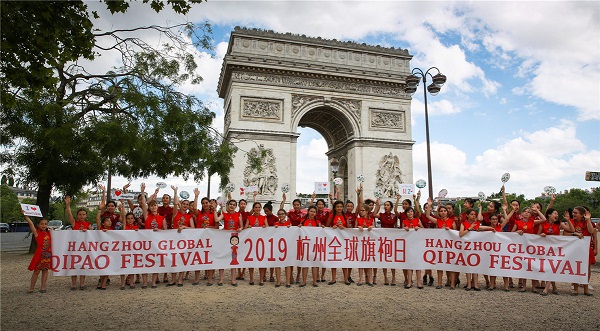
{"x": 407, "y": 214}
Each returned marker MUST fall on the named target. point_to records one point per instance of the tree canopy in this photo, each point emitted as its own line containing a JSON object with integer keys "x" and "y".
{"x": 64, "y": 124}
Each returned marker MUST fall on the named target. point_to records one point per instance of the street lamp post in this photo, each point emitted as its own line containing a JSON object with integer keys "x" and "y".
{"x": 434, "y": 88}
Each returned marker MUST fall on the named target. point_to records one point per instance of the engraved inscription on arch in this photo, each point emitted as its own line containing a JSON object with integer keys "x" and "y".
{"x": 262, "y": 109}
{"x": 381, "y": 119}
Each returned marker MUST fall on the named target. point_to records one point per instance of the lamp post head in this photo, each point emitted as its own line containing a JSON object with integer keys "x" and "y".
{"x": 434, "y": 89}
{"x": 335, "y": 165}
{"x": 412, "y": 81}
{"x": 439, "y": 79}
{"x": 410, "y": 90}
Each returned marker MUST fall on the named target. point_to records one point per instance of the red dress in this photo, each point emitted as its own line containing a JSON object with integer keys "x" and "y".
{"x": 338, "y": 220}
{"x": 411, "y": 224}
{"x": 295, "y": 217}
{"x": 467, "y": 225}
{"x": 285, "y": 223}
{"x": 525, "y": 226}
{"x": 442, "y": 224}
{"x": 231, "y": 221}
{"x": 167, "y": 213}
{"x": 154, "y": 222}
{"x": 132, "y": 226}
{"x": 364, "y": 222}
{"x": 427, "y": 223}
{"x": 350, "y": 219}
{"x": 322, "y": 217}
{"x": 308, "y": 222}
{"x": 205, "y": 219}
{"x": 257, "y": 221}
{"x": 182, "y": 219}
{"x": 42, "y": 259}
{"x": 115, "y": 220}
{"x": 550, "y": 229}
{"x": 271, "y": 219}
{"x": 388, "y": 220}
{"x": 81, "y": 225}
{"x": 581, "y": 226}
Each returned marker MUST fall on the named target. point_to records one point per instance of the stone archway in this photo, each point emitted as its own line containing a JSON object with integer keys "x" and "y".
{"x": 352, "y": 94}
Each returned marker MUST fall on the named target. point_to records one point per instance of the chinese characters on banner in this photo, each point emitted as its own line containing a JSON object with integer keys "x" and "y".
{"x": 556, "y": 258}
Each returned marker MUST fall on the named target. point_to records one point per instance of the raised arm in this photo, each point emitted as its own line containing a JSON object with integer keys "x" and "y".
{"x": 194, "y": 206}
{"x": 31, "y": 225}
{"x": 68, "y": 207}
{"x": 103, "y": 200}
{"x": 551, "y": 204}
{"x": 428, "y": 213}
{"x": 312, "y": 199}
{"x": 479, "y": 214}
{"x": 283, "y": 198}
{"x": 122, "y": 215}
{"x": 398, "y": 197}
{"x": 542, "y": 218}
{"x": 377, "y": 206}
{"x": 143, "y": 204}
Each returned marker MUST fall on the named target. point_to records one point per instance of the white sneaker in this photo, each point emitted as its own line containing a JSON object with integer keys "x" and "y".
{"x": 590, "y": 287}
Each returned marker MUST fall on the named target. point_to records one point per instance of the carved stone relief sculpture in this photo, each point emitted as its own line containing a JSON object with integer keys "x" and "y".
{"x": 266, "y": 178}
{"x": 388, "y": 176}
{"x": 262, "y": 109}
{"x": 387, "y": 120}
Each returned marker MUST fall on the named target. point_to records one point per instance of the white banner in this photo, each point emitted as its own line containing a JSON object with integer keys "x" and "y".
{"x": 555, "y": 258}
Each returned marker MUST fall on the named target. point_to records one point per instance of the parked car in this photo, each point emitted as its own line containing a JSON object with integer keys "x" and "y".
{"x": 4, "y": 227}
{"x": 55, "y": 224}
{"x": 67, "y": 227}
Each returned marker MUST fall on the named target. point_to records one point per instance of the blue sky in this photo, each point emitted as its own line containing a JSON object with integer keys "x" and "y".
{"x": 523, "y": 90}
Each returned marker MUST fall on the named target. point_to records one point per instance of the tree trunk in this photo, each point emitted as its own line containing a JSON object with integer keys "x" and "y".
{"x": 43, "y": 201}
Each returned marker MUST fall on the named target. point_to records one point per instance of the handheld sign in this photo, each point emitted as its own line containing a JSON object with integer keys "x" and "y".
{"x": 137, "y": 212}
{"x": 184, "y": 195}
{"x": 118, "y": 195}
{"x": 481, "y": 196}
{"x": 505, "y": 177}
{"x": 421, "y": 183}
{"x": 161, "y": 184}
{"x": 285, "y": 188}
{"x": 549, "y": 190}
{"x": 250, "y": 189}
{"x": 406, "y": 189}
{"x": 378, "y": 194}
{"x": 321, "y": 187}
{"x": 360, "y": 178}
{"x": 31, "y": 210}
{"x": 338, "y": 181}
{"x": 443, "y": 193}
{"x": 230, "y": 187}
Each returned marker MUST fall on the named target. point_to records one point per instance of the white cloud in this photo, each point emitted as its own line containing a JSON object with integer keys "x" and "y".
{"x": 553, "y": 156}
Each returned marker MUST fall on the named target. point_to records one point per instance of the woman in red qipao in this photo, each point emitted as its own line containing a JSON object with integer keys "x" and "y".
{"x": 497, "y": 226}
{"x": 310, "y": 220}
{"x": 242, "y": 209}
{"x": 552, "y": 228}
{"x": 205, "y": 219}
{"x": 283, "y": 221}
{"x": 337, "y": 220}
{"x": 79, "y": 224}
{"x": 583, "y": 227}
{"x": 388, "y": 220}
{"x": 406, "y": 203}
{"x": 524, "y": 223}
{"x": 322, "y": 218}
{"x": 365, "y": 221}
{"x": 256, "y": 220}
{"x": 232, "y": 221}
{"x": 181, "y": 219}
{"x": 295, "y": 215}
{"x": 154, "y": 222}
{"x": 472, "y": 224}
{"x": 442, "y": 221}
{"x": 413, "y": 221}
{"x": 128, "y": 220}
{"x": 42, "y": 258}
{"x": 107, "y": 209}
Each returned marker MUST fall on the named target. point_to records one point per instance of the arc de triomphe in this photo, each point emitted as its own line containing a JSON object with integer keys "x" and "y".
{"x": 352, "y": 94}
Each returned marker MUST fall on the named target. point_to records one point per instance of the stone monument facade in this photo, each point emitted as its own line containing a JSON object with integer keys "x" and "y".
{"x": 352, "y": 94}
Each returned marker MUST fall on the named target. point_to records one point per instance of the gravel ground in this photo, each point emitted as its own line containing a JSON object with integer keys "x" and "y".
{"x": 336, "y": 307}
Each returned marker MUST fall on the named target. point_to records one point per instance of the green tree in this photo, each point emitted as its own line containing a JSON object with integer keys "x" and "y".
{"x": 64, "y": 125}
{"x": 10, "y": 209}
